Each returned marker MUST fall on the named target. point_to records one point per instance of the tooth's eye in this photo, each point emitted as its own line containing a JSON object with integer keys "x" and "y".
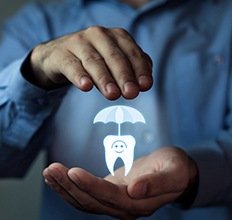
{"x": 121, "y": 146}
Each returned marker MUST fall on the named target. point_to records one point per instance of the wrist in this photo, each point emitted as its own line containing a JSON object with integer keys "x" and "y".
{"x": 36, "y": 76}
{"x": 31, "y": 75}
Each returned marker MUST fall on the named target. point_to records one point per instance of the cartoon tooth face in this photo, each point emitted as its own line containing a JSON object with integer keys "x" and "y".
{"x": 119, "y": 147}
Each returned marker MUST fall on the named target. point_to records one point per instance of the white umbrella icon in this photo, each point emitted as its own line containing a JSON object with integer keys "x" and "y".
{"x": 119, "y": 114}
{"x": 119, "y": 146}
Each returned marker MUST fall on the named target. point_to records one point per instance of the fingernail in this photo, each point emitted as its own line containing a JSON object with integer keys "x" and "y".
{"x": 112, "y": 88}
{"x": 130, "y": 90}
{"x": 84, "y": 80}
{"x": 85, "y": 83}
{"x": 145, "y": 82}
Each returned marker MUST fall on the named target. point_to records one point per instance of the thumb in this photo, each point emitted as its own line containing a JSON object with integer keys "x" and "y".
{"x": 155, "y": 184}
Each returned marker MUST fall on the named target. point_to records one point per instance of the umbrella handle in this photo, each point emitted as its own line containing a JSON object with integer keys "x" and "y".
{"x": 119, "y": 129}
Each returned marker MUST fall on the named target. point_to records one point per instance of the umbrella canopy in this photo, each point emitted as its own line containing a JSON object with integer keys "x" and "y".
{"x": 119, "y": 114}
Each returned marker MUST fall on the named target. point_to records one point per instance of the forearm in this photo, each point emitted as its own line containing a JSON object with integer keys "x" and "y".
{"x": 23, "y": 110}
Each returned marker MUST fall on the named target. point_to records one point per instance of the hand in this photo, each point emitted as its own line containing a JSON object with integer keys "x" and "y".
{"x": 108, "y": 58}
{"x": 166, "y": 174}
{"x": 89, "y": 193}
{"x": 155, "y": 180}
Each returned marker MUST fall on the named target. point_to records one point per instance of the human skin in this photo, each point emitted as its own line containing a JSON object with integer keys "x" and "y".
{"x": 109, "y": 59}
{"x": 155, "y": 180}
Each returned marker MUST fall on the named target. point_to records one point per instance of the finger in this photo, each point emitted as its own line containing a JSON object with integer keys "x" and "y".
{"x": 116, "y": 61}
{"x": 70, "y": 66}
{"x": 116, "y": 196}
{"x": 107, "y": 192}
{"x": 95, "y": 65}
{"x": 79, "y": 199}
{"x": 52, "y": 183}
{"x": 57, "y": 179}
{"x": 140, "y": 61}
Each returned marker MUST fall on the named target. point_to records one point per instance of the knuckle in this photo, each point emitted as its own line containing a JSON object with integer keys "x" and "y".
{"x": 116, "y": 55}
{"x": 102, "y": 79}
{"x": 123, "y": 76}
{"x": 121, "y": 32}
{"x": 69, "y": 61}
{"x": 92, "y": 57}
{"x": 75, "y": 37}
{"x": 136, "y": 53}
{"x": 96, "y": 29}
{"x": 44, "y": 52}
{"x": 89, "y": 55}
{"x": 53, "y": 44}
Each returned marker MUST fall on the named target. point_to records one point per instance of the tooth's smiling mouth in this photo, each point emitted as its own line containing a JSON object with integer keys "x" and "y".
{"x": 119, "y": 152}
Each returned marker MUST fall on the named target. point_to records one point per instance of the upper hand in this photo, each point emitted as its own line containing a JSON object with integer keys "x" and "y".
{"x": 155, "y": 180}
{"x": 108, "y": 58}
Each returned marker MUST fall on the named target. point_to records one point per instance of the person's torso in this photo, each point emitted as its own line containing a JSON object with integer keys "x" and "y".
{"x": 186, "y": 105}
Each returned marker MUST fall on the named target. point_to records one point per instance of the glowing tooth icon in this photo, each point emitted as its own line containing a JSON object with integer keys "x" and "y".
{"x": 119, "y": 146}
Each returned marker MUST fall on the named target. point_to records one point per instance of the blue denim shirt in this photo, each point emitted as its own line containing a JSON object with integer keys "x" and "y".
{"x": 190, "y": 104}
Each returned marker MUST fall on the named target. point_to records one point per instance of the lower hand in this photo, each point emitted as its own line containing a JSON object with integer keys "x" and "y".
{"x": 155, "y": 180}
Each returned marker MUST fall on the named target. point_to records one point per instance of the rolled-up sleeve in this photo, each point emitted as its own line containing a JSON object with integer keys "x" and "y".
{"x": 23, "y": 106}
{"x": 23, "y": 109}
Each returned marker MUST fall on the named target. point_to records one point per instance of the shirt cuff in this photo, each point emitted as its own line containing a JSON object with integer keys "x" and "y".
{"x": 28, "y": 107}
{"x": 22, "y": 91}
